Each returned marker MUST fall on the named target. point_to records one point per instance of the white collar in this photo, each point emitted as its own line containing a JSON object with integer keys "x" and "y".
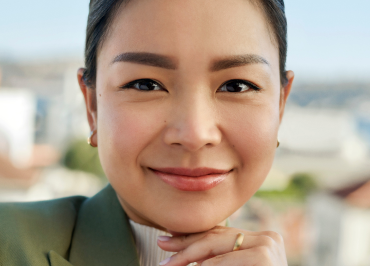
{"x": 146, "y": 244}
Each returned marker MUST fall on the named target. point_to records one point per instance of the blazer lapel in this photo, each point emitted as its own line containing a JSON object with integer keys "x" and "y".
{"x": 56, "y": 260}
{"x": 103, "y": 234}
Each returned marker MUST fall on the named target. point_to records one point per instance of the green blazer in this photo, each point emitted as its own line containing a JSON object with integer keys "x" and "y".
{"x": 76, "y": 231}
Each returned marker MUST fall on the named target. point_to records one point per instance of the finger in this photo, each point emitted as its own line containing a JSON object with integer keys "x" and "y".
{"x": 178, "y": 243}
{"x": 213, "y": 245}
{"x": 257, "y": 256}
{"x": 175, "y": 244}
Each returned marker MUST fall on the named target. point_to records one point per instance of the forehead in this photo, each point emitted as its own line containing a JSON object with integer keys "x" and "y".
{"x": 191, "y": 29}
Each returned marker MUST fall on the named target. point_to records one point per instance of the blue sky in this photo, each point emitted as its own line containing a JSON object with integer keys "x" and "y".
{"x": 328, "y": 39}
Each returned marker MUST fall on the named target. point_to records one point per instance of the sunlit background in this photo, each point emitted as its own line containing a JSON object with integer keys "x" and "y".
{"x": 317, "y": 194}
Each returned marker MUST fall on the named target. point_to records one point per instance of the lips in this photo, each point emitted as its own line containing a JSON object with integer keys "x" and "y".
{"x": 197, "y": 179}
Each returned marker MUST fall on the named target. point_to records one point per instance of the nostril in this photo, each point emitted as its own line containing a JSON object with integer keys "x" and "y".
{"x": 176, "y": 144}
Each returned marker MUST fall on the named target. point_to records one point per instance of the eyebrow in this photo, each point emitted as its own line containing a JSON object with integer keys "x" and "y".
{"x": 168, "y": 62}
{"x": 237, "y": 61}
{"x": 148, "y": 59}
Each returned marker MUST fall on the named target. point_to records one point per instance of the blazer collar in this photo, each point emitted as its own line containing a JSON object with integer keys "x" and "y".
{"x": 102, "y": 235}
{"x": 56, "y": 260}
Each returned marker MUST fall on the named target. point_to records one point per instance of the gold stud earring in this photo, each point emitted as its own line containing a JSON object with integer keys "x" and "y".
{"x": 278, "y": 144}
{"x": 92, "y": 133}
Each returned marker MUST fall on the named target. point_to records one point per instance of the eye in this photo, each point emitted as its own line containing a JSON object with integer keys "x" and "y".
{"x": 237, "y": 85}
{"x": 143, "y": 85}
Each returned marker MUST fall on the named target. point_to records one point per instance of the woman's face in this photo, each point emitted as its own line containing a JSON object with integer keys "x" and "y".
{"x": 189, "y": 103}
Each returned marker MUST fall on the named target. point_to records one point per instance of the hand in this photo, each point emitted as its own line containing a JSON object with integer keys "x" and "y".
{"x": 215, "y": 247}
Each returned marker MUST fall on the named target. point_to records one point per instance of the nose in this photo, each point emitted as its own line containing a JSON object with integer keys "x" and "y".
{"x": 192, "y": 124}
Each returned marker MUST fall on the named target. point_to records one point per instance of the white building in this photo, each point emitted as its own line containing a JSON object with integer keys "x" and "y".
{"x": 17, "y": 120}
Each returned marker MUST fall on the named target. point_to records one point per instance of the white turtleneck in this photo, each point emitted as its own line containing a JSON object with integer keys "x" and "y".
{"x": 146, "y": 245}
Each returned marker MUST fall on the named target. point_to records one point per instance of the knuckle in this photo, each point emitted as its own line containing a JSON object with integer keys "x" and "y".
{"x": 275, "y": 236}
{"x": 267, "y": 241}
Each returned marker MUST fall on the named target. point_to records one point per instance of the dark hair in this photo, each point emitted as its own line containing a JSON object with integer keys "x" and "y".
{"x": 102, "y": 13}
{"x": 275, "y": 15}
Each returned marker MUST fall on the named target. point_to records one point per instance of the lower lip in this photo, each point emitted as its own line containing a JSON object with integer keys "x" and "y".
{"x": 190, "y": 183}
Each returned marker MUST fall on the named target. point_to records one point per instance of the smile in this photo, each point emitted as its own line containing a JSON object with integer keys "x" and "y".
{"x": 198, "y": 179}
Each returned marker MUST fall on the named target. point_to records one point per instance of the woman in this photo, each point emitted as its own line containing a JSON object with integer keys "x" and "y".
{"x": 184, "y": 100}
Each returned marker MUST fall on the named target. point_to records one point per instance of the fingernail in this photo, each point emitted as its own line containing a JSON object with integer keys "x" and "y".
{"x": 164, "y": 238}
{"x": 164, "y": 262}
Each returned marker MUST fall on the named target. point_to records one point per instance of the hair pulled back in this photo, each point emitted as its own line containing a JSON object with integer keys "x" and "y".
{"x": 102, "y": 13}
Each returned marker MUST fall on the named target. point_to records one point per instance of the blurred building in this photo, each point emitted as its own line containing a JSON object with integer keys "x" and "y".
{"x": 37, "y": 124}
{"x": 340, "y": 226}
{"x": 60, "y": 111}
{"x": 325, "y": 142}
{"x": 17, "y": 116}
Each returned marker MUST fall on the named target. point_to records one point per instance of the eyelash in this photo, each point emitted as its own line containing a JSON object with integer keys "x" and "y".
{"x": 250, "y": 85}
{"x": 134, "y": 85}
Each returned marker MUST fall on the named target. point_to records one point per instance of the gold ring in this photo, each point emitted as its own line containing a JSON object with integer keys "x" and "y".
{"x": 238, "y": 241}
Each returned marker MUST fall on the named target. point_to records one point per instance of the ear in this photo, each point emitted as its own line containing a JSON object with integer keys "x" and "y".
{"x": 284, "y": 93}
{"x": 90, "y": 100}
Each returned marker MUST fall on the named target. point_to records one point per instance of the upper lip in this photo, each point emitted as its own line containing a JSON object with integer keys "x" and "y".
{"x": 195, "y": 172}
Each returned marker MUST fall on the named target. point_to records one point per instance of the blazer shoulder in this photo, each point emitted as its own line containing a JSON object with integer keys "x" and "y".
{"x": 28, "y": 231}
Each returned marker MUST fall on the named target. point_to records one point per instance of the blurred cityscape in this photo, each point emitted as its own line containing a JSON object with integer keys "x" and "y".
{"x": 317, "y": 194}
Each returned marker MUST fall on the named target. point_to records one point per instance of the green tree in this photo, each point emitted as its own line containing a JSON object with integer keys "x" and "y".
{"x": 298, "y": 188}
{"x": 83, "y": 157}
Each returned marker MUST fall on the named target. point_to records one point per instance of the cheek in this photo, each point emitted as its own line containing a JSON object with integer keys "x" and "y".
{"x": 123, "y": 133}
{"x": 253, "y": 135}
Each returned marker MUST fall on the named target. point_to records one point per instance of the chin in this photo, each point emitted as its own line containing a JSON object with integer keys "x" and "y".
{"x": 191, "y": 222}
{"x": 190, "y": 227}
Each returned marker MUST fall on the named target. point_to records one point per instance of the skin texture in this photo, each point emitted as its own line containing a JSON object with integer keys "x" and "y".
{"x": 189, "y": 123}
